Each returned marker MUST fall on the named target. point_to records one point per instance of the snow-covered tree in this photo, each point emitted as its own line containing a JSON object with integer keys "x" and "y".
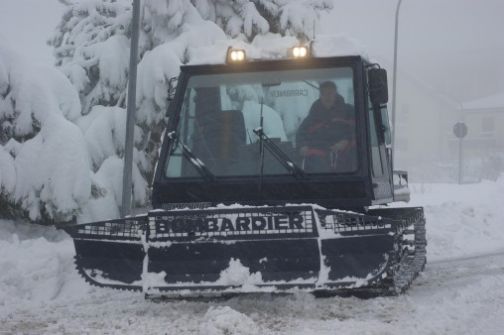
{"x": 92, "y": 49}
{"x": 62, "y": 138}
{"x": 92, "y": 40}
{"x": 55, "y": 163}
{"x": 59, "y": 158}
{"x": 255, "y": 17}
{"x": 44, "y": 167}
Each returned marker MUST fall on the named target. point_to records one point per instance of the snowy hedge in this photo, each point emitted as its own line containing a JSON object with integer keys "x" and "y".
{"x": 44, "y": 165}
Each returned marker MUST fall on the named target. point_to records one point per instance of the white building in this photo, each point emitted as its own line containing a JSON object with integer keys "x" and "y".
{"x": 424, "y": 122}
{"x": 484, "y": 144}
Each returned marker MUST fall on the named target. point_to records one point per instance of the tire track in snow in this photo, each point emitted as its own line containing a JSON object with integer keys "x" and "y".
{"x": 467, "y": 258}
{"x": 454, "y": 269}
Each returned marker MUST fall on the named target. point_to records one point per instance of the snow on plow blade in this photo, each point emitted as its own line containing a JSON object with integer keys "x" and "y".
{"x": 241, "y": 249}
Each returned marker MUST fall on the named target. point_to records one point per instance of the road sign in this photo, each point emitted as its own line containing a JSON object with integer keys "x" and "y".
{"x": 460, "y": 129}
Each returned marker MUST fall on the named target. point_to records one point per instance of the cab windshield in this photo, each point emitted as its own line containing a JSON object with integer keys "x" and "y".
{"x": 308, "y": 114}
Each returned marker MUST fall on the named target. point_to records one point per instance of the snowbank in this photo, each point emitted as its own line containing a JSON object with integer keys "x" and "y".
{"x": 461, "y": 220}
{"x": 225, "y": 320}
{"x": 37, "y": 266}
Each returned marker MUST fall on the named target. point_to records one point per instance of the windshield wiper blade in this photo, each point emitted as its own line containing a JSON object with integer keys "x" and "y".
{"x": 192, "y": 158}
{"x": 197, "y": 163}
{"x": 281, "y": 156}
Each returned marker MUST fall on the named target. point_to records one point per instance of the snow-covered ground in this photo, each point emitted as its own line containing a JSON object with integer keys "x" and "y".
{"x": 461, "y": 290}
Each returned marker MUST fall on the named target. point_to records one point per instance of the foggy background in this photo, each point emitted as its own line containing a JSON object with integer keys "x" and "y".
{"x": 455, "y": 46}
{"x": 450, "y": 59}
{"x": 450, "y": 55}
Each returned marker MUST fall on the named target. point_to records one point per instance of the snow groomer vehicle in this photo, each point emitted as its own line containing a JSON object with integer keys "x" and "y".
{"x": 274, "y": 175}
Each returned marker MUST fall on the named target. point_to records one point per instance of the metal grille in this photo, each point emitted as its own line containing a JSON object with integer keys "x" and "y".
{"x": 402, "y": 218}
{"x": 343, "y": 222}
{"x": 121, "y": 229}
{"x": 239, "y": 223}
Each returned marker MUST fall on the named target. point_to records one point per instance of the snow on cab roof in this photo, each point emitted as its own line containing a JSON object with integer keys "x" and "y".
{"x": 273, "y": 46}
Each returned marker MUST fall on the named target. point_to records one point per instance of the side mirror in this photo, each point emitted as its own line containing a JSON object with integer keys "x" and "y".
{"x": 172, "y": 87}
{"x": 378, "y": 87}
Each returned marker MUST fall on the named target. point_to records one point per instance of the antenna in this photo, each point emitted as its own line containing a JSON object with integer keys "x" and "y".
{"x": 312, "y": 43}
{"x": 261, "y": 147}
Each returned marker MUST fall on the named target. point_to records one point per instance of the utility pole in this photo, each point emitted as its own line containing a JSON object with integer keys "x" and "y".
{"x": 131, "y": 109}
{"x": 394, "y": 81}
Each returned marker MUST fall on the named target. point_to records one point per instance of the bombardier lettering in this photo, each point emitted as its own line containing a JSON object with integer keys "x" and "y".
{"x": 214, "y": 224}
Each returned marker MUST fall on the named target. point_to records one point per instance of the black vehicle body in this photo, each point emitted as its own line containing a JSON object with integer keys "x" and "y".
{"x": 349, "y": 191}
{"x": 291, "y": 230}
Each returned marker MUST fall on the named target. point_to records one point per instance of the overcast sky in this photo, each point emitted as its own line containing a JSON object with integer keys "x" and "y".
{"x": 26, "y": 25}
{"x": 455, "y": 46}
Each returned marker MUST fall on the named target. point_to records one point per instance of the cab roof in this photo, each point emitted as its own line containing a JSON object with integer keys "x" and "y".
{"x": 273, "y": 65}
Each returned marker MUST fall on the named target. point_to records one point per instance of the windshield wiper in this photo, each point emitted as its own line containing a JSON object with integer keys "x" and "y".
{"x": 281, "y": 156}
{"x": 312, "y": 85}
{"x": 191, "y": 157}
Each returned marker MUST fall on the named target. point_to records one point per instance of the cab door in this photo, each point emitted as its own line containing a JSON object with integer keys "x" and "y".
{"x": 380, "y": 154}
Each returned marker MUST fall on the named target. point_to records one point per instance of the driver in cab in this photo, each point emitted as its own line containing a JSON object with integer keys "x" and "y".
{"x": 326, "y": 137}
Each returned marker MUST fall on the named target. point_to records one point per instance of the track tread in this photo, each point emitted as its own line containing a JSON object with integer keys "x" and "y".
{"x": 92, "y": 282}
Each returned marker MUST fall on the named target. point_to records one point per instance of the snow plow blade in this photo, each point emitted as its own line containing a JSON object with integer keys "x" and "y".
{"x": 254, "y": 249}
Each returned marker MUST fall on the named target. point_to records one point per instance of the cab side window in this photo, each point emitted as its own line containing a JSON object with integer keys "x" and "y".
{"x": 375, "y": 145}
{"x": 386, "y": 125}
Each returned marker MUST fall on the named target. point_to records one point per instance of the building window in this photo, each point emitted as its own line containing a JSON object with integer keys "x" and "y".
{"x": 487, "y": 124}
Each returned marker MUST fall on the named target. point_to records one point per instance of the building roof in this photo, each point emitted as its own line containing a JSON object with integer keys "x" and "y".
{"x": 492, "y": 102}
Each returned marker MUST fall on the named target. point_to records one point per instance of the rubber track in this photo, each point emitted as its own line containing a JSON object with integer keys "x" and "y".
{"x": 410, "y": 265}
{"x": 93, "y": 282}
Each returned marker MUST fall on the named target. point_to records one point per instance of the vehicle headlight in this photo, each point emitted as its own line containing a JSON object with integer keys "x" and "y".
{"x": 298, "y": 52}
{"x": 235, "y": 55}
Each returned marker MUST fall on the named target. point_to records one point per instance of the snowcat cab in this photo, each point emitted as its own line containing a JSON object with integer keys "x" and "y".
{"x": 236, "y": 207}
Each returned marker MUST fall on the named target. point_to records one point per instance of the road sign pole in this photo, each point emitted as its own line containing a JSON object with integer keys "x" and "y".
{"x": 460, "y": 162}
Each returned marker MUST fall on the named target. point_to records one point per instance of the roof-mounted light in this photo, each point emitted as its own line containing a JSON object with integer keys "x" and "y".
{"x": 235, "y": 55}
{"x": 298, "y": 52}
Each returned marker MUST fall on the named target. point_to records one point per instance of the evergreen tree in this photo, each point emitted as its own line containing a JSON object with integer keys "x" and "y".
{"x": 44, "y": 167}
{"x": 92, "y": 39}
{"x": 255, "y": 17}
{"x": 91, "y": 47}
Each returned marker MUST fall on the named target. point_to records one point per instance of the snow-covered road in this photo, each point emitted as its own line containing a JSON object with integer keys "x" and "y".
{"x": 460, "y": 292}
{"x": 463, "y": 296}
